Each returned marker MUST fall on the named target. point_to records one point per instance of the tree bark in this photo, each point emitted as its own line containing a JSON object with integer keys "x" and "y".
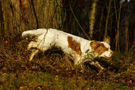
{"x": 107, "y": 19}
{"x": 1, "y": 21}
{"x": 132, "y": 24}
{"x": 92, "y": 16}
{"x": 117, "y": 47}
{"x": 126, "y": 36}
{"x": 20, "y": 15}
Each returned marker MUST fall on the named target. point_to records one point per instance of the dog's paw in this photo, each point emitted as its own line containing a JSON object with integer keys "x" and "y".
{"x": 101, "y": 71}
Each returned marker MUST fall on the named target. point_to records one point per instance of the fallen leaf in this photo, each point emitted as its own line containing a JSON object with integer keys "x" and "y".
{"x": 75, "y": 85}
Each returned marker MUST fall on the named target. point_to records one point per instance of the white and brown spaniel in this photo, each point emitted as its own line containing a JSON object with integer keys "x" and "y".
{"x": 74, "y": 46}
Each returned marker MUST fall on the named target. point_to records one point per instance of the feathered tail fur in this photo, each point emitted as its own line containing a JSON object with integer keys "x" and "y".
{"x": 32, "y": 34}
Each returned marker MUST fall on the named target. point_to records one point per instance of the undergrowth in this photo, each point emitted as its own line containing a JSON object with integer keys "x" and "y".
{"x": 54, "y": 70}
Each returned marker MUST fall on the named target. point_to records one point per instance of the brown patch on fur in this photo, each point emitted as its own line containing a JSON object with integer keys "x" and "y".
{"x": 74, "y": 45}
{"x": 98, "y": 47}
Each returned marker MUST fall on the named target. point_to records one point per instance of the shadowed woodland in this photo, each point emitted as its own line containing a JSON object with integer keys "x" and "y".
{"x": 90, "y": 19}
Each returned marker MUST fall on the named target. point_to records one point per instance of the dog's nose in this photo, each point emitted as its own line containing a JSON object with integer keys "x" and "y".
{"x": 112, "y": 53}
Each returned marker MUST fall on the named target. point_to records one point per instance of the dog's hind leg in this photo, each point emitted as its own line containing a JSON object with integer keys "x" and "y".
{"x": 34, "y": 52}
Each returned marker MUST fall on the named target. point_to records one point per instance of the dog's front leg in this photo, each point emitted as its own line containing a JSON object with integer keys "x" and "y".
{"x": 34, "y": 52}
{"x": 96, "y": 64}
{"x": 32, "y": 44}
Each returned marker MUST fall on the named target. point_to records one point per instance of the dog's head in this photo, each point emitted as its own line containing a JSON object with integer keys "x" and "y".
{"x": 102, "y": 49}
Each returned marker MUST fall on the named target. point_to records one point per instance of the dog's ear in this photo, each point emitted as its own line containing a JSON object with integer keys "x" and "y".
{"x": 94, "y": 44}
{"x": 107, "y": 39}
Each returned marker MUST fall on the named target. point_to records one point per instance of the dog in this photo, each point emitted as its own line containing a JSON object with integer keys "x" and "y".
{"x": 79, "y": 49}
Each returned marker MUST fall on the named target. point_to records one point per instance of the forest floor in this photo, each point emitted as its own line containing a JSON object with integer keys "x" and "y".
{"x": 52, "y": 70}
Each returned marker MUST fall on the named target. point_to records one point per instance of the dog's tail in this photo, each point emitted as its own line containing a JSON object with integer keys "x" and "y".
{"x": 32, "y": 34}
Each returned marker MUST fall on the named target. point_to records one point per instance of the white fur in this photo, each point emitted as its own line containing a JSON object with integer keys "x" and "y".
{"x": 47, "y": 38}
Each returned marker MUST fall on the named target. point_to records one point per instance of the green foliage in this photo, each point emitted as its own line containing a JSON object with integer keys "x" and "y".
{"x": 89, "y": 55}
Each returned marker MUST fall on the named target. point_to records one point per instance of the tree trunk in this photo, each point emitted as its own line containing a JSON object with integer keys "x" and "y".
{"x": 118, "y": 25}
{"x": 132, "y": 24}
{"x": 101, "y": 23}
{"x": 20, "y": 15}
{"x": 1, "y": 21}
{"x": 92, "y": 16}
{"x": 107, "y": 19}
{"x": 126, "y": 36}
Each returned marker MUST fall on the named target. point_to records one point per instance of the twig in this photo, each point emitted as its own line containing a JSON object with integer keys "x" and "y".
{"x": 35, "y": 13}
{"x": 79, "y": 23}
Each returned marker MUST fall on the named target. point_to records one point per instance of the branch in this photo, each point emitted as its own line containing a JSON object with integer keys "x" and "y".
{"x": 79, "y": 23}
